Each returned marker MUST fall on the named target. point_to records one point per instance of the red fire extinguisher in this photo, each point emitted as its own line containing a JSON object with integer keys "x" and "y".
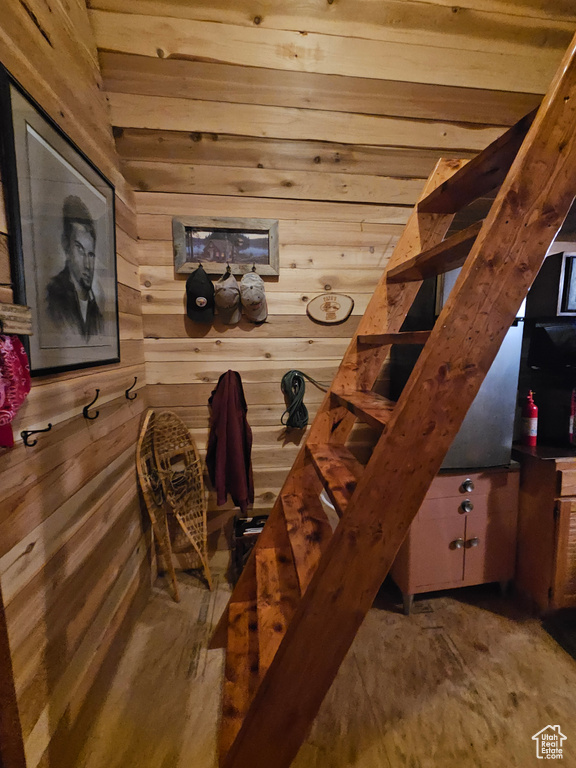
{"x": 529, "y": 421}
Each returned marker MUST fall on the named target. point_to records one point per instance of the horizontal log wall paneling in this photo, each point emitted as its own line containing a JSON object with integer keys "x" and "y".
{"x": 233, "y": 152}
{"x": 323, "y": 116}
{"x": 164, "y": 113}
{"x": 74, "y": 558}
{"x": 210, "y": 81}
{"x": 422, "y": 60}
{"x": 184, "y": 359}
{"x": 480, "y": 25}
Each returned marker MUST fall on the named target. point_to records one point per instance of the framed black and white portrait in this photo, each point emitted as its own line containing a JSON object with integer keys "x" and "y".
{"x": 62, "y": 239}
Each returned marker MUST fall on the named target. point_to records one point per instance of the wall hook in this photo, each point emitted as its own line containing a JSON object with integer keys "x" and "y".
{"x": 228, "y": 268}
{"x": 135, "y": 395}
{"x": 27, "y": 432}
{"x": 254, "y": 267}
{"x": 86, "y": 407}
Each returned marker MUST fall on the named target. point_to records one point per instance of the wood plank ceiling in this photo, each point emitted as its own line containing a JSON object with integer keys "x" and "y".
{"x": 321, "y": 99}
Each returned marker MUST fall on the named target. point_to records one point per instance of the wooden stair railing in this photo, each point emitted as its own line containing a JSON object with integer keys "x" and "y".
{"x": 306, "y": 587}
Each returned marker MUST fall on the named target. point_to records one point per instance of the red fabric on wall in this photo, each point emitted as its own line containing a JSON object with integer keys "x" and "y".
{"x": 14, "y": 384}
{"x": 230, "y": 443}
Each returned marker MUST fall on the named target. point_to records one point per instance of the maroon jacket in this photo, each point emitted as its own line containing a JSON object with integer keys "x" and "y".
{"x": 230, "y": 443}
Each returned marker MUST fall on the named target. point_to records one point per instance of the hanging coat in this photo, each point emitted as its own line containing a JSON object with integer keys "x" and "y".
{"x": 230, "y": 443}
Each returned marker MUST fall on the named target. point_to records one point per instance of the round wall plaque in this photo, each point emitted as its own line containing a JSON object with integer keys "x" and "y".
{"x": 330, "y": 308}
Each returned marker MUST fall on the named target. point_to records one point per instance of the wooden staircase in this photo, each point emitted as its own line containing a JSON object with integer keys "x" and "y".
{"x": 310, "y": 580}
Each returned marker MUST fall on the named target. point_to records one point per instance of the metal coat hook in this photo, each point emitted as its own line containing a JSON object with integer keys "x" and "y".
{"x": 254, "y": 267}
{"x": 135, "y": 395}
{"x": 27, "y": 432}
{"x": 86, "y": 407}
{"x": 228, "y": 269}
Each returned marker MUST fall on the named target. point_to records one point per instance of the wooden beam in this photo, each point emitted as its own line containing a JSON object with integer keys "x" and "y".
{"x": 162, "y": 279}
{"x": 338, "y": 470}
{"x": 482, "y": 174}
{"x": 309, "y": 530}
{"x": 177, "y": 114}
{"x": 371, "y": 408}
{"x": 305, "y": 185}
{"x": 278, "y": 592}
{"x": 241, "y": 670}
{"x": 297, "y": 231}
{"x": 167, "y": 37}
{"x": 213, "y": 149}
{"x": 449, "y": 254}
{"x": 210, "y": 81}
{"x": 218, "y": 349}
{"x": 276, "y": 327}
{"x": 484, "y": 25}
{"x": 168, "y": 204}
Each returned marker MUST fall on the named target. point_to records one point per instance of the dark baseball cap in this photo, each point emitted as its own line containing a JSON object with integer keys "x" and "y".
{"x": 200, "y": 297}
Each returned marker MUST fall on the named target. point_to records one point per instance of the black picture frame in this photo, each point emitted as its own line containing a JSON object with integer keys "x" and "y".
{"x": 62, "y": 238}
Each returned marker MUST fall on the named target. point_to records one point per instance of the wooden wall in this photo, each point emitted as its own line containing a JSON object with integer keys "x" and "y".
{"x": 74, "y": 553}
{"x": 325, "y": 115}
{"x": 323, "y": 246}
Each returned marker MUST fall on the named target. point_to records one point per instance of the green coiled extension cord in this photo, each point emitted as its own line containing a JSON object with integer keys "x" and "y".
{"x": 293, "y": 387}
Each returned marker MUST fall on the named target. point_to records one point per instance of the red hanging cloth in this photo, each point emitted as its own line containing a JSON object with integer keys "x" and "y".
{"x": 14, "y": 384}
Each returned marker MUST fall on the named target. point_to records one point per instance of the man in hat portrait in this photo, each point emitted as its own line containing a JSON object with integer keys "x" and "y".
{"x": 70, "y": 300}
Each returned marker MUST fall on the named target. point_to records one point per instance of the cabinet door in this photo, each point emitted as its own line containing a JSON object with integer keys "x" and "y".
{"x": 435, "y": 559}
{"x": 564, "y": 585}
{"x": 490, "y": 551}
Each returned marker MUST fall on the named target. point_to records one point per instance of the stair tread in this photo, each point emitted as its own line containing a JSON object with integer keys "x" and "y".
{"x": 483, "y": 173}
{"x": 403, "y": 337}
{"x": 339, "y": 470}
{"x": 278, "y": 596}
{"x": 449, "y": 254}
{"x": 308, "y": 529}
{"x": 241, "y": 670}
{"x": 370, "y": 407}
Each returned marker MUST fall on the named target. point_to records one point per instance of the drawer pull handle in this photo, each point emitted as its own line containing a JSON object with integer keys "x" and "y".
{"x": 457, "y": 544}
{"x": 467, "y": 486}
{"x": 466, "y": 506}
{"x": 473, "y": 542}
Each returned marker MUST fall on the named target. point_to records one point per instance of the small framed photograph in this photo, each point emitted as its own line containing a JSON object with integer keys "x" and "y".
{"x": 240, "y": 244}
{"x": 62, "y": 239}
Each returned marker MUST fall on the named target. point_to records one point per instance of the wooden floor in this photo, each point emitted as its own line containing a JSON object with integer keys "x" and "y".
{"x": 465, "y": 681}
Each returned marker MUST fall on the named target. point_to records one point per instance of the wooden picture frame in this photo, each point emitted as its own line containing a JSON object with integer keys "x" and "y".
{"x": 218, "y": 243}
{"x": 62, "y": 239}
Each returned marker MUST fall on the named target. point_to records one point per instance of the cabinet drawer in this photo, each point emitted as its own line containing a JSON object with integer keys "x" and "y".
{"x": 567, "y": 482}
{"x": 444, "y": 486}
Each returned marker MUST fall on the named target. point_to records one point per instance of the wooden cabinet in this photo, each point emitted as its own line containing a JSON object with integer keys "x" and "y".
{"x": 463, "y": 534}
{"x": 546, "y": 570}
